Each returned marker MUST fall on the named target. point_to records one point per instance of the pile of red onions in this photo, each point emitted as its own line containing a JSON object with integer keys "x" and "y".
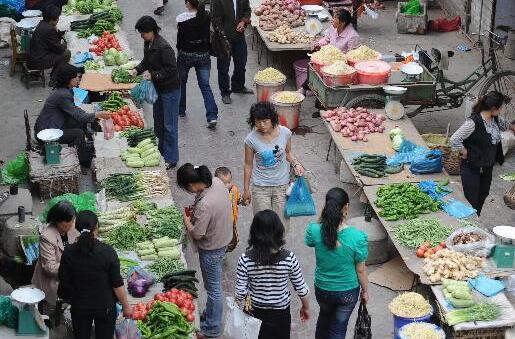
{"x": 275, "y": 13}
{"x": 354, "y": 123}
{"x": 139, "y": 287}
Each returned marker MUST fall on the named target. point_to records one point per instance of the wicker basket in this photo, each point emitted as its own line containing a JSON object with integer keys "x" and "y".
{"x": 54, "y": 187}
{"x": 509, "y": 198}
{"x": 451, "y": 159}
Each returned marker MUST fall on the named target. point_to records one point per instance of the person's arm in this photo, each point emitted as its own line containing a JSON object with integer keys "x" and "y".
{"x": 361, "y": 270}
{"x": 65, "y": 288}
{"x": 49, "y": 262}
{"x": 242, "y": 280}
{"x": 353, "y": 43}
{"x": 143, "y": 65}
{"x": 202, "y": 219}
{"x": 53, "y": 42}
{"x": 308, "y": 237}
{"x": 68, "y": 106}
{"x": 168, "y": 65}
{"x": 117, "y": 284}
{"x": 297, "y": 166}
{"x": 122, "y": 298}
{"x": 460, "y": 135}
{"x": 247, "y": 173}
{"x": 300, "y": 286}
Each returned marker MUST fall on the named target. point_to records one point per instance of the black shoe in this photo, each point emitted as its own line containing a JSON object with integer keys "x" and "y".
{"x": 165, "y": 2}
{"x": 170, "y": 166}
{"x": 244, "y": 90}
{"x": 182, "y": 114}
{"x": 316, "y": 114}
{"x": 159, "y": 10}
{"x": 226, "y": 99}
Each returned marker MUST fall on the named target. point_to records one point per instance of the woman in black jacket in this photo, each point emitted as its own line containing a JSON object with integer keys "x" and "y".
{"x": 479, "y": 141}
{"x": 193, "y": 49}
{"x": 160, "y": 66}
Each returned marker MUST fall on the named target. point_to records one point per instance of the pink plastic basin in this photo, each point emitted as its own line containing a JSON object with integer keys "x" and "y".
{"x": 373, "y": 72}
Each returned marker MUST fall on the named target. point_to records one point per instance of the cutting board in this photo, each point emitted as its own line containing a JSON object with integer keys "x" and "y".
{"x": 97, "y": 82}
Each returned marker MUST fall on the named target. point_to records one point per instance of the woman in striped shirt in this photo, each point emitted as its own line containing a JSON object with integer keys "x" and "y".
{"x": 263, "y": 272}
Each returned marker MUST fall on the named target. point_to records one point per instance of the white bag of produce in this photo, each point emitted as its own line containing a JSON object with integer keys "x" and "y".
{"x": 471, "y": 240}
{"x": 239, "y": 324}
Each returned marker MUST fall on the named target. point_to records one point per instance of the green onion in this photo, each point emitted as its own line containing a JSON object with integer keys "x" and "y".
{"x": 484, "y": 311}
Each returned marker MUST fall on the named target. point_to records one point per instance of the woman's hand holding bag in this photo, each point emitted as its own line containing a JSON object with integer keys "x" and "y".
{"x": 363, "y": 327}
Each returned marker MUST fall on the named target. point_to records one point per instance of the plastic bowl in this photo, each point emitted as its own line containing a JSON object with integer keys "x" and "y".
{"x": 373, "y": 72}
{"x": 318, "y": 66}
{"x": 338, "y": 80}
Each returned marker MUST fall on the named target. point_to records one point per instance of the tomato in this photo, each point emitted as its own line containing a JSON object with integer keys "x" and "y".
{"x": 420, "y": 253}
{"x": 168, "y": 294}
{"x": 437, "y": 248}
{"x": 137, "y": 315}
{"x": 125, "y": 108}
{"x": 190, "y": 317}
{"x": 184, "y": 312}
{"x": 443, "y": 244}
{"x": 192, "y": 307}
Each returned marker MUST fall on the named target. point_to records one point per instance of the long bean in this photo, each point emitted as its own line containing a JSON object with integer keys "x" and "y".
{"x": 415, "y": 232}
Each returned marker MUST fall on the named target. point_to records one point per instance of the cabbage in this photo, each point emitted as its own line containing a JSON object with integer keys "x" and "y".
{"x": 395, "y": 131}
{"x": 129, "y": 65}
{"x": 121, "y": 58}
{"x": 397, "y": 141}
{"x": 109, "y": 59}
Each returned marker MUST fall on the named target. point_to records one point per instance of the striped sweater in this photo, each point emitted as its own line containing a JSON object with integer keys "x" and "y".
{"x": 268, "y": 284}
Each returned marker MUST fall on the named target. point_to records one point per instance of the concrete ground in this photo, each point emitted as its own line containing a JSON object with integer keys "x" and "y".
{"x": 224, "y": 146}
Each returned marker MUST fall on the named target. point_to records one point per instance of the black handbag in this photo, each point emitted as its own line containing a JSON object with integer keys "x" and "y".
{"x": 363, "y": 328}
{"x": 220, "y": 46}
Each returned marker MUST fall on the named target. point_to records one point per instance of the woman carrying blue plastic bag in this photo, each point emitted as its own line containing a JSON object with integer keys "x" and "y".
{"x": 160, "y": 66}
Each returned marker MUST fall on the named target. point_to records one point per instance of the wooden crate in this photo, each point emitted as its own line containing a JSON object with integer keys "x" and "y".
{"x": 415, "y": 24}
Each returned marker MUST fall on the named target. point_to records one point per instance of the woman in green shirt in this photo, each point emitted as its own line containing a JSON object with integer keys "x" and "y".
{"x": 340, "y": 251}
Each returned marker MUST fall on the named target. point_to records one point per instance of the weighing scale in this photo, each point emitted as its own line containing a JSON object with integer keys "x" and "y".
{"x": 504, "y": 251}
{"x": 393, "y": 108}
{"x": 30, "y": 322}
{"x": 52, "y": 147}
{"x": 412, "y": 71}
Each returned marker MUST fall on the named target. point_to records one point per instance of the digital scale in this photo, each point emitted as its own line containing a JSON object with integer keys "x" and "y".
{"x": 393, "y": 107}
{"x": 30, "y": 321}
{"x": 52, "y": 147}
{"x": 504, "y": 251}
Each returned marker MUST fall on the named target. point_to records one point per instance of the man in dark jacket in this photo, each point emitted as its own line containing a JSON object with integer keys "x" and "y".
{"x": 46, "y": 50}
{"x": 232, "y": 16}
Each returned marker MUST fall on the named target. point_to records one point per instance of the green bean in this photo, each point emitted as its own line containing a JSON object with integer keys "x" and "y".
{"x": 415, "y": 232}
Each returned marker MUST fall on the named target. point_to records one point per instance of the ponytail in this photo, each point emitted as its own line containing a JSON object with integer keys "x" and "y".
{"x": 492, "y": 100}
{"x": 332, "y": 216}
{"x": 86, "y": 223}
{"x": 188, "y": 174}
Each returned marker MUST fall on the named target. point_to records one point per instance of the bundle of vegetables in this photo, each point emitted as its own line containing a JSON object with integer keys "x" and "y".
{"x": 287, "y": 97}
{"x": 122, "y": 76}
{"x": 403, "y": 201}
{"x": 113, "y": 57}
{"x": 275, "y": 13}
{"x": 370, "y": 165}
{"x": 113, "y": 103}
{"x": 396, "y": 136}
{"x": 285, "y": 35}
{"x": 157, "y": 248}
{"x": 126, "y": 264}
{"x": 104, "y": 43}
{"x": 87, "y": 6}
{"x": 425, "y": 250}
{"x": 145, "y": 154}
{"x": 125, "y": 117}
{"x": 416, "y": 232}
{"x": 165, "y": 320}
{"x": 155, "y": 183}
{"x": 135, "y": 135}
{"x": 484, "y": 311}
{"x": 269, "y": 75}
{"x": 142, "y": 206}
{"x": 362, "y": 53}
{"x": 412, "y": 7}
{"x": 452, "y": 265}
{"x": 410, "y": 305}
{"x": 81, "y": 202}
{"x": 457, "y": 293}
{"x": 327, "y": 55}
{"x": 355, "y": 123}
{"x": 166, "y": 221}
{"x": 110, "y": 220}
{"x": 127, "y": 235}
{"x": 183, "y": 280}
{"x": 165, "y": 265}
{"x": 123, "y": 187}
{"x": 420, "y": 330}
{"x": 98, "y": 28}
{"x": 92, "y": 65}
{"x": 113, "y": 15}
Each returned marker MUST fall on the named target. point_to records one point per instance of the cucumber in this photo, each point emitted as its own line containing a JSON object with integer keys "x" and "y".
{"x": 461, "y": 303}
{"x": 394, "y": 169}
{"x": 370, "y": 173}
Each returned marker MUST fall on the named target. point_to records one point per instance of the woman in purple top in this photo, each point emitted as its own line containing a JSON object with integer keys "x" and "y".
{"x": 341, "y": 33}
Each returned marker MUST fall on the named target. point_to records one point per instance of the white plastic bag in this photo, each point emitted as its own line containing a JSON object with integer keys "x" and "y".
{"x": 239, "y": 325}
{"x": 480, "y": 248}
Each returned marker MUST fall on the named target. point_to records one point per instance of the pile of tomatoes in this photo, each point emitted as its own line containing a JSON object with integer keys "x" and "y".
{"x": 124, "y": 117}
{"x": 425, "y": 250}
{"x": 106, "y": 41}
{"x": 182, "y": 299}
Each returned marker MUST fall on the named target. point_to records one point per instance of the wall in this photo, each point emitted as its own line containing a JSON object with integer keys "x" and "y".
{"x": 475, "y": 11}
{"x": 456, "y": 7}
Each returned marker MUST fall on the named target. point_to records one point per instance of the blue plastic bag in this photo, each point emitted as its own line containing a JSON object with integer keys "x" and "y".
{"x": 144, "y": 91}
{"x": 81, "y": 57}
{"x": 458, "y": 209}
{"x": 300, "y": 203}
{"x": 80, "y": 96}
{"x": 127, "y": 329}
{"x": 433, "y": 189}
{"x": 407, "y": 152}
{"x": 427, "y": 162}
{"x": 150, "y": 93}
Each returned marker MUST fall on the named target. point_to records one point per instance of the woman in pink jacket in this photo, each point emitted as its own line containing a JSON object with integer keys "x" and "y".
{"x": 341, "y": 33}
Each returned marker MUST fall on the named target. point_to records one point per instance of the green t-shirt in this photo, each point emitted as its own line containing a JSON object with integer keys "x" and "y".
{"x": 336, "y": 269}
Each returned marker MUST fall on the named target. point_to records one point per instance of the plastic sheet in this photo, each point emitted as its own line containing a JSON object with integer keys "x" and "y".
{"x": 144, "y": 91}
{"x": 433, "y": 189}
{"x": 458, "y": 209}
{"x": 427, "y": 162}
{"x": 16, "y": 171}
{"x": 239, "y": 324}
{"x": 480, "y": 248}
{"x": 300, "y": 203}
{"x": 127, "y": 329}
{"x": 81, "y": 202}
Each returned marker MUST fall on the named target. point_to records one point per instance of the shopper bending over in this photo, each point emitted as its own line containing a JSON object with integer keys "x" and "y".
{"x": 479, "y": 141}
{"x": 340, "y": 251}
{"x": 89, "y": 277}
{"x": 264, "y": 271}
{"x": 210, "y": 227}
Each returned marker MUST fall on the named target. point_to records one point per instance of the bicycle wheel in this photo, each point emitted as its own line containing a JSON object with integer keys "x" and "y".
{"x": 503, "y": 82}
{"x": 372, "y": 101}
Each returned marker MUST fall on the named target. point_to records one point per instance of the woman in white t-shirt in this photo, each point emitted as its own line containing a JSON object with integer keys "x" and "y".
{"x": 268, "y": 158}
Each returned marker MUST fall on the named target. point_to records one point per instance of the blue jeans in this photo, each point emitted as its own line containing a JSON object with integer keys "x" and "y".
{"x": 166, "y": 124}
{"x": 202, "y": 65}
{"x": 335, "y": 311}
{"x": 239, "y": 57}
{"x": 211, "y": 267}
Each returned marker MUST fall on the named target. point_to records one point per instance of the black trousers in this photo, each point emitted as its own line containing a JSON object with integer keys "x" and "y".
{"x": 275, "y": 323}
{"x": 104, "y": 320}
{"x": 476, "y": 184}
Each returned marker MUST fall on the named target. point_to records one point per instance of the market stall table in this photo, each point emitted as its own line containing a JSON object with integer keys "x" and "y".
{"x": 98, "y": 82}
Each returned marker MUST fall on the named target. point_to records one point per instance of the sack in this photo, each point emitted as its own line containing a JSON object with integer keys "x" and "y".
{"x": 300, "y": 203}
{"x": 127, "y": 329}
{"x": 219, "y": 44}
{"x": 309, "y": 176}
{"x": 428, "y": 162}
{"x": 480, "y": 248}
{"x": 16, "y": 171}
{"x": 458, "y": 209}
{"x": 144, "y": 91}
{"x": 444, "y": 25}
{"x": 363, "y": 327}
{"x": 239, "y": 325}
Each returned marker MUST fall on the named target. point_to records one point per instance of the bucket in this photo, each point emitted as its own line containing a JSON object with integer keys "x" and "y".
{"x": 301, "y": 72}
{"x": 265, "y": 90}
{"x": 437, "y": 328}
{"x": 398, "y": 322}
{"x": 289, "y": 114}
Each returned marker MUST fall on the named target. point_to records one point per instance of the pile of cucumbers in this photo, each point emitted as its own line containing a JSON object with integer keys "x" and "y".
{"x": 112, "y": 16}
{"x": 184, "y": 280}
{"x": 113, "y": 103}
{"x": 374, "y": 166}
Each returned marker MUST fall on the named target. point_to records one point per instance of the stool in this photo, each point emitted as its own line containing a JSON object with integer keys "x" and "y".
{"x": 17, "y": 58}
{"x": 30, "y": 76}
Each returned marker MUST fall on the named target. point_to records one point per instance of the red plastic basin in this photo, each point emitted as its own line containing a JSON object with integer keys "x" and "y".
{"x": 373, "y": 72}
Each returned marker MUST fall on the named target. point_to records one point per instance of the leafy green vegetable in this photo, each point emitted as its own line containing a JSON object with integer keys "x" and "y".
{"x": 165, "y": 320}
{"x": 126, "y": 236}
{"x": 166, "y": 221}
{"x": 508, "y": 176}
{"x": 484, "y": 311}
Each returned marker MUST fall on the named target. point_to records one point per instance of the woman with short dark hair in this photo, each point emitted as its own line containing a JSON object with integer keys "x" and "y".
{"x": 264, "y": 271}
{"x": 89, "y": 278}
{"x": 159, "y": 66}
{"x": 268, "y": 158}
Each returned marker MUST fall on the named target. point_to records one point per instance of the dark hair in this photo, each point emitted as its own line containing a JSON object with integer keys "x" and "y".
{"x": 222, "y": 171}
{"x": 200, "y": 6}
{"x": 64, "y": 74}
{"x": 86, "y": 220}
{"x": 147, "y": 24}
{"x": 344, "y": 16}
{"x": 332, "y": 215}
{"x": 63, "y": 211}
{"x": 187, "y": 174}
{"x": 262, "y": 111}
{"x": 489, "y": 101}
{"x": 51, "y": 12}
{"x": 266, "y": 237}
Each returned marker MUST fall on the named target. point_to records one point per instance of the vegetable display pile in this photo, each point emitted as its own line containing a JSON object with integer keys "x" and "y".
{"x": 113, "y": 15}
{"x": 113, "y": 103}
{"x": 403, "y": 201}
{"x": 135, "y": 135}
{"x": 184, "y": 280}
{"x": 92, "y": 65}
{"x": 166, "y": 320}
{"x": 145, "y": 154}
{"x": 113, "y": 57}
{"x": 363, "y": 53}
{"x": 466, "y": 238}
{"x": 104, "y": 43}
{"x": 452, "y": 265}
{"x": 87, "y": 6}
{"x": 327, "y": 55}
{"x": 287, "y": 97}
{"x": 126, "y": 236}
{"x": 354, "y": 123}
{"x": 110, "y": 220}
{"x": 166, "y": 221}
{"x": 458, "y": 293}
{"x": 285, "y": 35}
{"x": 122, "y": 76}
{"x": 165, "y": 265}
{"x": 157, "y": 248}
{"x": 413, "y": 233}
{"x": 269, "y": 75}
{"x": 275, "y": 13}
{"x": 483, "y": 311}
{"x": 126, "y": 264}
{"x": 420, "y": 330}
{"x": 99, "y": 28}
{"x": 425, "y": 250}
{"x": 124, "y": 117}
{"x": 370, "y": 165}
{"x": 133, "y": 186}
{"x": 396, "y": 136}
{"x": 410, "y": 305}
{"x": 339, "y": 68}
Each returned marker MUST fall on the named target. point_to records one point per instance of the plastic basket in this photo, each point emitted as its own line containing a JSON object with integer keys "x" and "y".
{"x": 338, "y": 80}
{"x": 451, "y": 159}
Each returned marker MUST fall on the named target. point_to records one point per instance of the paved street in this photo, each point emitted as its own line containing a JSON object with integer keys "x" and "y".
{"x": 224, "y": 146}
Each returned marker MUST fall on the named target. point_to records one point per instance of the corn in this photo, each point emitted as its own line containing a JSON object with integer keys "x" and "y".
{"x": 362, "y": 53}
{"x": 409, "y": 305}
{"x": 339, "y": 68}
{"x": 327, "y": 55}
{"x": 287, "y": 97}
{"x": 420, "y": 331}
{"x": 269, "y": 75}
